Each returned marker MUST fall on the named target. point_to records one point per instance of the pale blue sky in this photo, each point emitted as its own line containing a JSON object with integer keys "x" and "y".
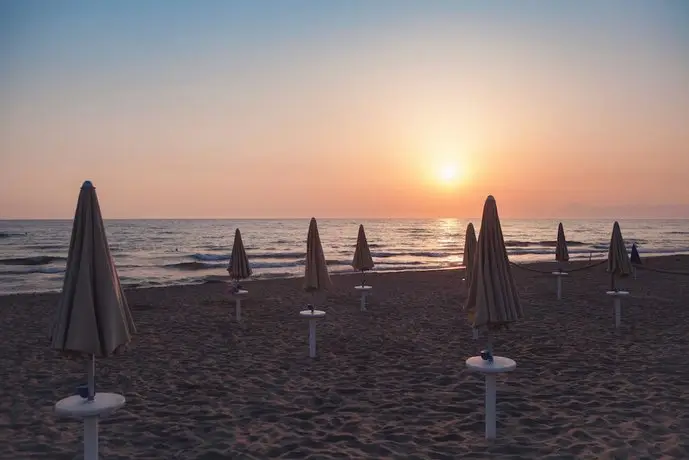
{"x": 160, "y": 103}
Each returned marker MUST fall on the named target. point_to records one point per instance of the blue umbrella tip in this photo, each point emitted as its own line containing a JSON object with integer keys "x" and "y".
{"x": 87, "y": 184}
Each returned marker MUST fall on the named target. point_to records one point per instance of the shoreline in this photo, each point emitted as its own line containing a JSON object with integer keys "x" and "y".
{"x": 220, "y": 279}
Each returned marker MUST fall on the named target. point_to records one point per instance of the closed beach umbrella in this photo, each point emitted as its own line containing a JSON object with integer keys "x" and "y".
{"x": 618, "y": 259}
{"x": 93, "y": 317}
{"x": 362, "y": 254}
{"x": 492, "y": 298}
{"x": 469, "y": 252}
{"x": 635, "y": 257}
{"x": 238, "y": 268}
{"x": 561, "y": 252}
{"x": 316, "y": 277}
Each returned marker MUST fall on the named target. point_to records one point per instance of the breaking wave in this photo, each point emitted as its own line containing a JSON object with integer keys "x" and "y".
{"x": 11, "y": 234}
{"x": 33, "y": 260}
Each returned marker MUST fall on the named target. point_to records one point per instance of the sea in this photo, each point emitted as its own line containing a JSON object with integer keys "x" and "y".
{"x": 149, "y": 253}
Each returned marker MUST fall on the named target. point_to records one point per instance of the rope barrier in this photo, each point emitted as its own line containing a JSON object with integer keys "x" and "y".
{"x": 529, "y": 269}
{"x": 548, "y": 272}
{"x": 586, "y": 267}
{"x": 597, "y": 264}
{"x": 660, "y": 270}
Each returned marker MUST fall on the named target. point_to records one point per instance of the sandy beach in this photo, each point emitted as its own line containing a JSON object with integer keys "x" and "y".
{"x": 388, "y": 383}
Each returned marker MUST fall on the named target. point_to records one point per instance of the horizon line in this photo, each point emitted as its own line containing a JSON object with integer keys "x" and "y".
{"x": 17, "y": 219}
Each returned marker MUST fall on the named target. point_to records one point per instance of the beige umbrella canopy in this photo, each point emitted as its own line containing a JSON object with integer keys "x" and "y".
{"x": 362, "y": 254}
{"x": 238, "y": 268}
{"x": 316, "y": 277}
{"x": 469, "y": 252}
{"x": 618, "y": 259}
{"x": 93, "y": 318}
{"x": 561, "y": 251}
{"x": 493, "y": 300}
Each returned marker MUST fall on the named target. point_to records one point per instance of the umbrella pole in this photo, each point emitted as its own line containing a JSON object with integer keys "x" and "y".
{"x": 612, "y": 282}
{"x": 91, "y": 423}
{"x": 237, "y": 301}
{"x": 490, "y": 396}
{"x": 312, "y": 328}
{"x": 91, "y": 372}
{"x": 363, "y": 278}
{"x": 489, "y": 340}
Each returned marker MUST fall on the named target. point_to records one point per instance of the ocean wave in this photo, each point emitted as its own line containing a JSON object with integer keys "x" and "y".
{"x": 546, "y": 243}
{"x": 140, "y": 283}
{"x": 403, "y": 267}
{"x": 193, "y": 266}
{"x": 260, "y": 265}
{"x": 33, "y": 260}
{"x": 536, "y": 251}
{"x": 37, "y": 270}
{"x": 277, "y": 255}
{"x": 665, "y": 251}
{"x": 215, "y": 247}
{"x": 274, "y": 275}
{"x": 197, "y": 265}
{"x": 429, "y": 254}
{"x": 370, "y": 245}
{"x": 210, "y": 257}
{"x": 46, "y": 247}
{"x": 11, "y": 234}
{"x": 260, "y": 255}
{"x": 190, "y": 266}
{"x": 380, "y": 255}
{"x": 130, "y": 266}
{"x": 410, "y": 263}
{"x": 402, "y": 258}
{"x": 301, "y": 255}
{"x": 517, "y": 244}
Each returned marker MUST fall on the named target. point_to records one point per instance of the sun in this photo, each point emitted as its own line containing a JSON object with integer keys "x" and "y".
{"x": 447, "y": 170}
{"x": 448, "y": 173}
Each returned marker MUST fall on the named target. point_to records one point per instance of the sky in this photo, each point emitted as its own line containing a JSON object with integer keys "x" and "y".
{"x": 357, "y": 108}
